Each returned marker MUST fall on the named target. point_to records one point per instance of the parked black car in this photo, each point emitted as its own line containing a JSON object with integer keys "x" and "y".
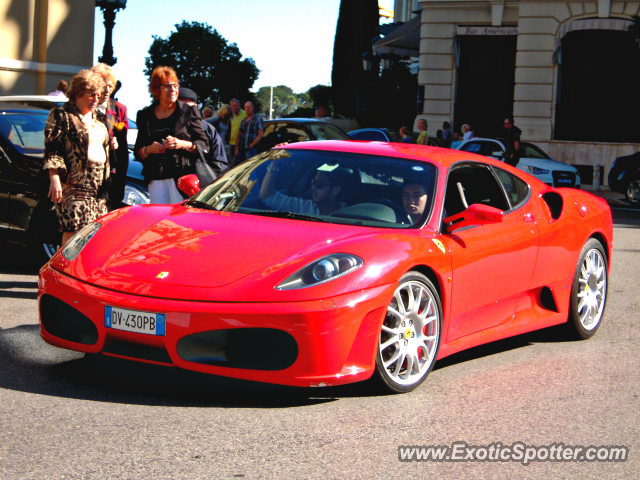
{"x": 26, "y": 212}
{"x": 624, "y": 177}
{"x": 293, "y": 130}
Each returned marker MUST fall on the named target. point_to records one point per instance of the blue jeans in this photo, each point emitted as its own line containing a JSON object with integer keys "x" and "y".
{"x": 245, "y": 154}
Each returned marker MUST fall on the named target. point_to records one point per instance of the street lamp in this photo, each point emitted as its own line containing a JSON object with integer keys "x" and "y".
{"x": 109, "y": 9}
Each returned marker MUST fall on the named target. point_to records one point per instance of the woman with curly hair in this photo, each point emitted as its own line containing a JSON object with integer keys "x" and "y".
{"x": 76, "y": 156}
{"x": 169, "y": 131}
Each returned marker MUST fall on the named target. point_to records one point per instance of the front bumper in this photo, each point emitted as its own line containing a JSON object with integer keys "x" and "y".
{"x": 335, "y": 338}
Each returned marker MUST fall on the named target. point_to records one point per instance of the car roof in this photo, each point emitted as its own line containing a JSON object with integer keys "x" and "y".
{"x": 50, "y": 98}
{"x": 368, "y": 129}
{"x": 13, "y": 108}
{"x": 298, "y": 120}
{"x": 442, "y": 156}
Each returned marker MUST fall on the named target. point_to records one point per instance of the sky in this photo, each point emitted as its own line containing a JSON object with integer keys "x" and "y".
{"x": 291, "y": 41}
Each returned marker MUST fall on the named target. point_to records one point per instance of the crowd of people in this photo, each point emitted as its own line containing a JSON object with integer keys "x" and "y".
{"x": 445, "y": 138}
{"x": 86, "y": 151}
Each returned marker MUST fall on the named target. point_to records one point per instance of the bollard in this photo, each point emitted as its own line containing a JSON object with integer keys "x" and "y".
{"x": 596, "y": 177}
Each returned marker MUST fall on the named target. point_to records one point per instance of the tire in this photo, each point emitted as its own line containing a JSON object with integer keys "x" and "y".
{"x": 410, "y": 334}
{"x": 588, "y": 291}
{"x": 632, "y": 192}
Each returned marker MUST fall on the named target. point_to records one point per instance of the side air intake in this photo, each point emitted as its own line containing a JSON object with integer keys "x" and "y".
{"x": 555, "y": 203}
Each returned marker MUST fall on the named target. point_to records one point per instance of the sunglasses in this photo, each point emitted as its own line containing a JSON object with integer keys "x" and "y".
{"x": 319, "y": 184}
{"x": 171, "y": 86}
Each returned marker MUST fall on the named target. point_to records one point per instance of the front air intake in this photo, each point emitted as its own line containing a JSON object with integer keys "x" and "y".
{"x": 63, "y": 321}
{"x": 249, "y": 348}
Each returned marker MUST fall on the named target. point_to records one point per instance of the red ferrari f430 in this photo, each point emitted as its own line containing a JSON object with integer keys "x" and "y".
{"x": 325, "y": 263}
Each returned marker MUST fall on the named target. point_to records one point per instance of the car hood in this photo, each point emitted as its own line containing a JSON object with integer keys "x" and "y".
{"x": 548, "y": 164}
{"x": 198, "y": 248}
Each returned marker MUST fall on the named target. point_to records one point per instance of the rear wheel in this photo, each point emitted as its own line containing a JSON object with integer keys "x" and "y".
{"x": 410, "y": 335}
{"x": 589, "y": 291}
{"x": 633, "y": 192}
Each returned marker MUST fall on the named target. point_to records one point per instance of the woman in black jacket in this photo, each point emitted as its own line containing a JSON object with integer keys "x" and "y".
{"x": 168, "y": 131}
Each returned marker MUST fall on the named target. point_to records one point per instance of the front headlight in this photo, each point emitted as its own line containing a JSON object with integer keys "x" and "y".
{"x": 75, "y": 245}
{"x": 622, "y": 174}
{"x": 134, "y": 196}
{"x": 538, "y": 171}
{"x": 322, "y": 270}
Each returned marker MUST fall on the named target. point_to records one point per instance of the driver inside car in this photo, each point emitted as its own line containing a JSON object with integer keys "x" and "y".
{"x": 326, "y": 188}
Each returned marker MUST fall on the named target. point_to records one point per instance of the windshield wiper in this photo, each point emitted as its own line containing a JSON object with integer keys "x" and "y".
{"x": 295, "y": 216}
{"x": 200, "y": 204}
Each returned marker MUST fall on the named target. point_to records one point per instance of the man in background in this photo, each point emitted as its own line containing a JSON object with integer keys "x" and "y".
{"x": 512, "y": 155}
{"x": 251, "y": 131}
{"x": 238, "y": 116}
{"x": 447, "y": 135}
{"x": 216, "y": 156}
{"x": 114, "y": 115}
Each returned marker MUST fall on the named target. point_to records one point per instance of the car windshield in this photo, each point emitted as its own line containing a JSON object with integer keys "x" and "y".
{"x": 24, "y": 131}
{"x": 326, "y": 131}
{"x": 332, "y": 187}
{"x": 528, "y": 150}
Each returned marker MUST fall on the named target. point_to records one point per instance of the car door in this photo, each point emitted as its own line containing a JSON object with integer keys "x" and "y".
{"x": 492, "y": 264}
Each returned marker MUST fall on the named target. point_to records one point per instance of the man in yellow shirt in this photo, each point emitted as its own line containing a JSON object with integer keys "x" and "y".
{"x": 238, "y": 116}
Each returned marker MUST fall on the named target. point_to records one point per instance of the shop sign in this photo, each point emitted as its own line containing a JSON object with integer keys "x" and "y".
{"x": 487, "y": 30}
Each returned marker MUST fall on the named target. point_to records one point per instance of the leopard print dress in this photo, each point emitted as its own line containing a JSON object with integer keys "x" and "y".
{"x": 83, "y": 181}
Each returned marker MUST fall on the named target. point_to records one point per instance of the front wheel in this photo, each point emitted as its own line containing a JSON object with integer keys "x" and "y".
{"x": 410, "y": 334}
{"x": 589, "y": 290}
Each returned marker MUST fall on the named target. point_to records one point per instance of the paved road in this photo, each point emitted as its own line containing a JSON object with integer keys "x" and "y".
{"x": 65, "y": 416}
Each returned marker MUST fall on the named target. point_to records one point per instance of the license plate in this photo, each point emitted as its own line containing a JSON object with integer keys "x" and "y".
{"x": 134, "y": 321}
{"x": 564, "y": 180}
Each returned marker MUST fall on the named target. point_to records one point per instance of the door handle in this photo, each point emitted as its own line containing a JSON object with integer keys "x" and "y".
{"x": 528, "y": 217}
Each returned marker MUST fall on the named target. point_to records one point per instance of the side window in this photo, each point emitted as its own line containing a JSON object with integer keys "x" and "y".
{"x": 370, "y": 136}
{"x": 488, "y": 148}
{"x": 517, "y": 190}
{"x": 479, "y": 185}
{"x": 472, "y": 147}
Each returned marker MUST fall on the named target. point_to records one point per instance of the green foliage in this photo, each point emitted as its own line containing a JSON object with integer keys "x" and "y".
{"x": 320, "y": 95}
{"x": 204, "y": 62}
{"x": 285, "y": 100}
{"x": 355, "y": 31}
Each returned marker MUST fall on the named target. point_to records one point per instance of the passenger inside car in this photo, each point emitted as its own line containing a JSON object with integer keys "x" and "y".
{"x": 414, "y": 199}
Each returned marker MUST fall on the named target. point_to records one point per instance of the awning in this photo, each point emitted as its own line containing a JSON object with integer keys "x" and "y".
{"x": 404, "y": 40}
{"x": 587, "y": 24}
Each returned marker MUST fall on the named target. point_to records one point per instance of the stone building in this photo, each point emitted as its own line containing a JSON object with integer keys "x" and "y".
{"x": 567, "y": 71}
{"x": 42, "y": 41}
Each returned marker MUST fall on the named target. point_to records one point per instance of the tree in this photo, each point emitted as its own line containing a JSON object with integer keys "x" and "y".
{"x": 357, "y": 22}
{"x": 284, "y": 100}
{"x": 204, "y": 62}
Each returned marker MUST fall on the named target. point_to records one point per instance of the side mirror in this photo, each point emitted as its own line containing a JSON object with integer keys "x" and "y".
{"x": 476, "y": 214}
{"x": 189, "y": 184}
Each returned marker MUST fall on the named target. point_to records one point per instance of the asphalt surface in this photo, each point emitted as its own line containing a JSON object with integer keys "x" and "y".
{"x": 64, "y": 415}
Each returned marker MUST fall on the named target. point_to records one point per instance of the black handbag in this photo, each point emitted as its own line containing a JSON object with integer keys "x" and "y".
{"x": 205, "y": 173}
